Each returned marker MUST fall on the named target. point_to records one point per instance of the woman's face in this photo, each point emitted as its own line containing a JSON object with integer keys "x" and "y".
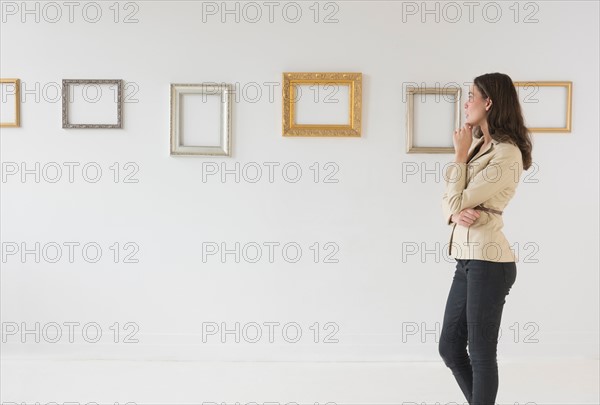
{"x": 475, "y": 107}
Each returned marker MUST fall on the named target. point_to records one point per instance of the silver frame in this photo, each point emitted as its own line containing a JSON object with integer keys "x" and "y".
{"x": 225, "y": 92}
{"x": 410, "y": 93}
{"x": 65, "y": 104}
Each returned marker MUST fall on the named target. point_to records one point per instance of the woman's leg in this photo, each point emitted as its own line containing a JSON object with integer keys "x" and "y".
{"x": 453, "y": 338}
{"x": 488, "y": 283}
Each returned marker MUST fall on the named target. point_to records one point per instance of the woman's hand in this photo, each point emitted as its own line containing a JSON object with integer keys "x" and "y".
{"x": 462, "y": 139}
{"x": 466, "y": 217}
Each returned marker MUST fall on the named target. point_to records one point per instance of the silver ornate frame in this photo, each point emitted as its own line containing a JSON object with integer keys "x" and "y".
{"x": 65, "y": 104}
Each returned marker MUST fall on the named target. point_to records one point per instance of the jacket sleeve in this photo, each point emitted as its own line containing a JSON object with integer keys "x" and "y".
{"x": 501, "y": 172}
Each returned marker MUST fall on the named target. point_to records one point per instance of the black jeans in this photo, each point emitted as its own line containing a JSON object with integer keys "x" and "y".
{"x": 473, "y": 314}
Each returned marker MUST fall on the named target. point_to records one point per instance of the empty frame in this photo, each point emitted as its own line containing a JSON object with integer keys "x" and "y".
{"x": 11, "y": 103}
{"x": 322, "y": 104}
{"x": 546, "y": 105}
{"x": 432, "y": 115}
{"x": 91, "y": 103}
{"x": 201, "y": 119}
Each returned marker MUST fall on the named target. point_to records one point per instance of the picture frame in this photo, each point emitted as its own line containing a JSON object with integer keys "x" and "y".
{"x": 290, "y": 128}
{"x": 17, "y": 105}
{"x": 225, "y": 92}
{"x": 530, "y": 98}
{"x": 411, "y": 92}
{"x": 66, "y": 85}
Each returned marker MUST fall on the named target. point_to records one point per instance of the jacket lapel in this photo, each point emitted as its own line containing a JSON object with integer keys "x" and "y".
{"x": 480, "y": 152}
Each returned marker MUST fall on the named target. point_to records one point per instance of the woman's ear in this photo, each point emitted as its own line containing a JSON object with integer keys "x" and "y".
{"x": 488, "y": 104}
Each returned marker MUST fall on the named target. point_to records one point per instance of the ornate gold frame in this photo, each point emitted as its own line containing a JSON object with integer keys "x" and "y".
{"x": 569, "y": 86}
{"x": 17, "y": 122}
{"x": 410, "y": 93}
{"x": 353, "y": 80}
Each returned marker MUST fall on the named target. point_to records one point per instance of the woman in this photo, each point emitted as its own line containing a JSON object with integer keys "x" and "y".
{"x": 479, "y": 184}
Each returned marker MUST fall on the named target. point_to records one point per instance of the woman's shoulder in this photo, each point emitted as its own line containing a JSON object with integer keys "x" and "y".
{"x": 508, "y": 154}
{"x": 508, "y": 148}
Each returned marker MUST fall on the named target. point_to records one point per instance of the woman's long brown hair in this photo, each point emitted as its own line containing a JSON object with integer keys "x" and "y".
{"x": 505, "y": 119}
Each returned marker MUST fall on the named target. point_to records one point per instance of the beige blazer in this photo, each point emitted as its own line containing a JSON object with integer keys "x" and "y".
{"x": 490, "y": 178}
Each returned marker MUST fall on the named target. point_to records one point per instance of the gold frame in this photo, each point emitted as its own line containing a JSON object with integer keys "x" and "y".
{"x": 17, "y": 122}
{"x": 410, "y": 93}
{"x": 569, "y": 86}
{"x": 353, "y": 80}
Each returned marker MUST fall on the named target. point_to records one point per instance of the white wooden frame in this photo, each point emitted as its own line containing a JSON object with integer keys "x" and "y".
{"x": 210, "y": 89}
{"x": 456, "y": 92}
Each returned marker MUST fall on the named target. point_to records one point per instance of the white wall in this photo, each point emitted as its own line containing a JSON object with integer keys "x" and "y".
{"x": 370, "y": 213}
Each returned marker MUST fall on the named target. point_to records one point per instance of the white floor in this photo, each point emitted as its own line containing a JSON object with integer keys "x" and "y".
{"x": 109, "y": 382}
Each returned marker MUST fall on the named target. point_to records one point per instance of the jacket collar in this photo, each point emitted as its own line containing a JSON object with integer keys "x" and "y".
{"x": 482, "y": 152}
{"x": 494, "y": 142}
